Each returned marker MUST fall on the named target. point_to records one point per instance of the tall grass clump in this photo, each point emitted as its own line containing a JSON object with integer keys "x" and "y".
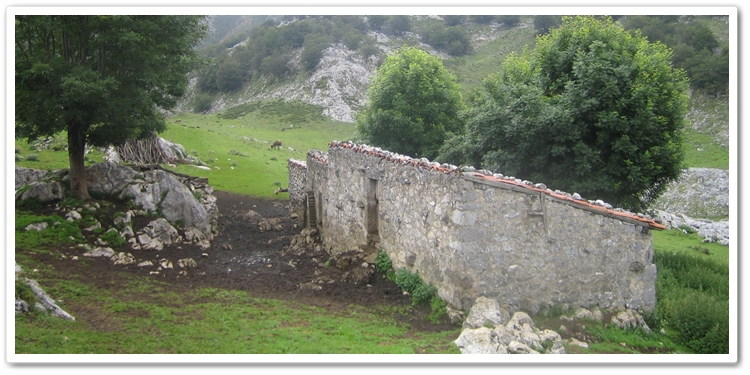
{"x": 693, "y": 299}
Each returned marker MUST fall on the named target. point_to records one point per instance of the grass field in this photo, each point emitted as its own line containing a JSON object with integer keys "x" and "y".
{"x": 238, "y": 149}
{"x": 212, "y": 321}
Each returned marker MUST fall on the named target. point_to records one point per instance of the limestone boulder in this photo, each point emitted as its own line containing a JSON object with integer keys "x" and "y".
{"x": 109, "y": 178}
{"x": 486, "y": 311}
{"x": 161, "y": 230}
{"x": 44, "y": 191}
{"x": 25, "y": 176}
{"x": 479, "y": 341}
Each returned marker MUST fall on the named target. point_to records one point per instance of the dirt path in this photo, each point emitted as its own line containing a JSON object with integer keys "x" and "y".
{"x": 242, "y": 257}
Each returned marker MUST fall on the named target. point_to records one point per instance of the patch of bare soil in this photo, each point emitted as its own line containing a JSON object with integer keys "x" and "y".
{"x": 244, "y": 257}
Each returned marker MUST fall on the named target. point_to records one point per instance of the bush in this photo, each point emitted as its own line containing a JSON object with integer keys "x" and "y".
{"x": 113, "y": 238}
{"x": 202, "y": 103}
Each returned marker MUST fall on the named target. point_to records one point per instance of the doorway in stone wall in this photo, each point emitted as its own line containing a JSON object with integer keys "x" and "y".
{"x": 371, "y": 214}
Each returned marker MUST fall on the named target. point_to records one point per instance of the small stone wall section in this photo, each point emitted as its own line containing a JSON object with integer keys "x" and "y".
{"x": 296, "y": 188}
{"x": 474, "y": 233}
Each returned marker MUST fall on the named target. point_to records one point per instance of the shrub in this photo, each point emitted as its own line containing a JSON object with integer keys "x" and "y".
{"x": 32, "y": 157}
{"x": 113, "y": 238}
{"x": 383, "y": 263}
{"x": 202, "y": 102}
{"x": 693, "y": 298}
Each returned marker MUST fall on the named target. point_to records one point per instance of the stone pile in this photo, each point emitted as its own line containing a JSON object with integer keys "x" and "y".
{"x": 489, "y": 329}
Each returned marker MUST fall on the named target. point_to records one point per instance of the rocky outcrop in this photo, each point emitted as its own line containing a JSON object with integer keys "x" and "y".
{"x": 180, "y": 199}
{"x": 699, "y": 192}
{"x": 710, "y": 231}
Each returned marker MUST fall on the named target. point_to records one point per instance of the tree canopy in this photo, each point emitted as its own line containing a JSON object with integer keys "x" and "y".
{"x": 592, "y": 109}
{"x": 102, "y": 79}
{"x": 413, "y": 105}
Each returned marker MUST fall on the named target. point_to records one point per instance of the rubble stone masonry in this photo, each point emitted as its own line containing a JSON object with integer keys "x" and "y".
{"x": 473, "y": 234}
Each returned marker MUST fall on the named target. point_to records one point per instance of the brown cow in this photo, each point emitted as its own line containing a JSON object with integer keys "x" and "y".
{"x": 276, "y": 145}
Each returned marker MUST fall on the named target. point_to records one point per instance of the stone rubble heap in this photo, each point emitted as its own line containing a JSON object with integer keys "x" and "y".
{"x": 489, "y": 329}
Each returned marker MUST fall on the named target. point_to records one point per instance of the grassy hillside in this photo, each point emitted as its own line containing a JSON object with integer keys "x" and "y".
{"x": 489, "y": 55}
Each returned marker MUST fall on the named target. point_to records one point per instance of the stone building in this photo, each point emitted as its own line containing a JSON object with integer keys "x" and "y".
{"x": 473, "y": 233}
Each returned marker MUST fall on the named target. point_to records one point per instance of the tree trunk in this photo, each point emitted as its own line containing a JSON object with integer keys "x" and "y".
{"x": 76, "y": 147}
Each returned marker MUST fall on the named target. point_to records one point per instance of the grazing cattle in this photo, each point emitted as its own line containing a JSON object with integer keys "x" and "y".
{"x": 276, "y": 145}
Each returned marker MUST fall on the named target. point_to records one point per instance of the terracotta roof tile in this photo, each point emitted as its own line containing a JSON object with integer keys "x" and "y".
{"x": 421, "y": 163}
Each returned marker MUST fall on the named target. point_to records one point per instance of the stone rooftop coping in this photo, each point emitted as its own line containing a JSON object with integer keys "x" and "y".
{"x": 491, "y": 180}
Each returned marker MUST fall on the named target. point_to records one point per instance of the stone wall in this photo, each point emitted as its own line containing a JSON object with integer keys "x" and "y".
{"x": 296, "y": 187}
{"x": 477, "y": 234}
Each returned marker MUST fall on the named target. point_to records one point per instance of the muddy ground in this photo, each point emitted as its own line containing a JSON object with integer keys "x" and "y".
{"x": 242, "y": 257}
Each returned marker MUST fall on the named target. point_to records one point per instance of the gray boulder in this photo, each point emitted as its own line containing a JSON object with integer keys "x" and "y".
{"x": 44, "y": 191}
{"x": 486, "y": 311}
{"x": 25, "y": 176}
{"x": 161, "y": 230}
{"x": 479, "y": 341}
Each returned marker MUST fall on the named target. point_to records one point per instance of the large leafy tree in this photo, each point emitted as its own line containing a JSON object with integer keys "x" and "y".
{"x": 102, "y": 79}
{"x": 413, "y": 105}
{"x": 592, "y": 109}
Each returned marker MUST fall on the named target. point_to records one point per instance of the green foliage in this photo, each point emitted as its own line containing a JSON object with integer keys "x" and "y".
{"x": 453, "y": 20}
{"x": 230, "y": 76}
{"x": 32, "y": 157}
{"x": 383, "y": 263}
{"x": 509, "y": 20}
{"x": 202, "y": 102}
{"x": 413, "y": 284}
{"x": 376, "y": 21}
{"x": 101, "y": 78}
{"x": 687, "y": 229}
{"x": 113, "y": 238}
{"x": 483, "y": 19}
{"x": 24, "y": 292}
{"x": 696, "y": 48}
{"x": 453, "y": 40}
{"x": 413, "y": 103}
{"x": 543, "y": 23}
{"x": 692, "y": 291}
{"x": 592, "y": 109}
{"x": 58, "y": 231}
{"x": 397, "y": 25}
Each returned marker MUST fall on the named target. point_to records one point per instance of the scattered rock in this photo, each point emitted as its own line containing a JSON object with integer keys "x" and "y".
{"x": 104, "y": 252}
{"x": 187, "y": 263}
{"x": 630, "y": 319}
{"x": 123, "y": 258}
{"x": 36, "y": 226}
